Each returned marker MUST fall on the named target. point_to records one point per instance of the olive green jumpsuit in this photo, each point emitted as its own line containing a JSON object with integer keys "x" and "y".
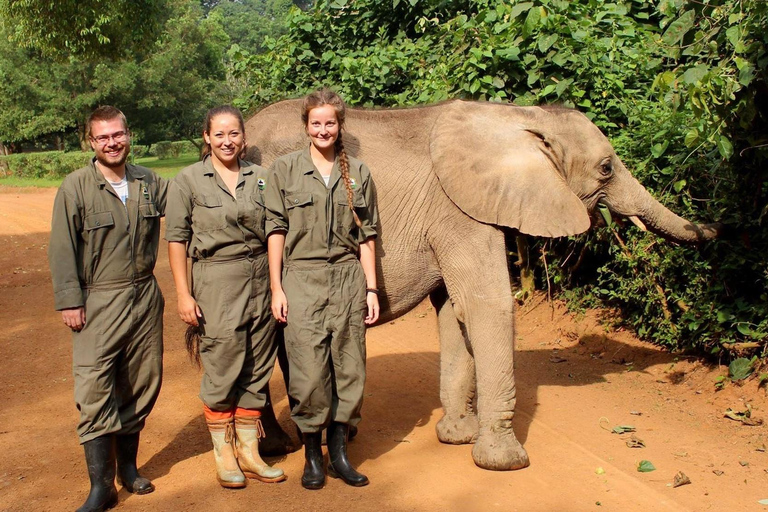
{"x": 230, "y": 280}
{"x": 102, "y": 254}
{"x": 324, "y": 285}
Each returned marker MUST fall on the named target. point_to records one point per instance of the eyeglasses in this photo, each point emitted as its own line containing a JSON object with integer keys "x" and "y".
{"x": 103, "y": 140}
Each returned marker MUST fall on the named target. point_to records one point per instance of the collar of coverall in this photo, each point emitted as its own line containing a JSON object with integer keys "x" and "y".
{"x": 208, "y": 170}
{"x": 131, "y": 173}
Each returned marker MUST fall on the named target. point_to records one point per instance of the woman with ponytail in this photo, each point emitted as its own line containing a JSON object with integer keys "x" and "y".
{"x": 215, "y": 216}
{"x": 321, "y": 228}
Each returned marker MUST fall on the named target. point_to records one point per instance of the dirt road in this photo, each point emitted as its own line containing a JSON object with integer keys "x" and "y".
{"x": 575, "y": 382}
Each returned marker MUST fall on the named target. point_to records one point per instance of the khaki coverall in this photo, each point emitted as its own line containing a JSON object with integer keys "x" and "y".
{"x": 102, "y": 255}
{"x": 324, "y": 284}
{"x": 230, "y": 280}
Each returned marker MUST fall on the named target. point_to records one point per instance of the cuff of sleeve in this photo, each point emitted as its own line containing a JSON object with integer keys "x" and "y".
{"x": 69, "y": 298}
{"x": 367, "y": 232}
{"x": 177, "y": 235}
{"x": 274, "y": 227}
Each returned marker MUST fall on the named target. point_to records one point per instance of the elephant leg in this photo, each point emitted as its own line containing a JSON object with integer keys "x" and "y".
{"x": 472, "y": 259}
{"x": 276, "y": 442}
{"x": 459, "y": 423}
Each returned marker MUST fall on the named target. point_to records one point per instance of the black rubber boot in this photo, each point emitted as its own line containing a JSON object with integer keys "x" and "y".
{"x": 100, "y": 459}
{"x": 338, "y": 465}
{"x": 127, "y": 448}
{"x": 314, "y": 473}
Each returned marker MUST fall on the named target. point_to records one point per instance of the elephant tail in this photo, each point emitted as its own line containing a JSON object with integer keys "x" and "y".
{"x": 192, "y": 342}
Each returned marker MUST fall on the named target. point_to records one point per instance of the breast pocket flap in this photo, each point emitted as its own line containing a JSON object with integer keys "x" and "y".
{"x": 300, "y": 199}
{"x": 98, "y": 220}
{"x": 148, "y": 210}
{"x": 357, "y": 199}
{"x": 208, "y": 200}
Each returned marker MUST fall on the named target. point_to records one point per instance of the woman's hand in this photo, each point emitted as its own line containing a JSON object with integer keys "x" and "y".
{"x": 373, "y": 308}
{"x": 279, "y": 305}
{"x": 189, "y": 311}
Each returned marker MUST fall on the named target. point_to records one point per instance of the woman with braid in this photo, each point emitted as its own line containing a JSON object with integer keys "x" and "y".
{"x": 321, "y": 229}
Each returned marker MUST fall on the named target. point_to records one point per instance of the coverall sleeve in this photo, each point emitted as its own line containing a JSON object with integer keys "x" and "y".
{"x": 178, "y": 212}
{"x": 162, "y": 194}
{"x": 66, "y": 226}
{"x": 370, "y": 216}
{"x": 274, "y": 202}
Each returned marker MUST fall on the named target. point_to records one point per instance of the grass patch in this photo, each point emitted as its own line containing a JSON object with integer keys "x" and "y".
{"x": 167, "y": 168}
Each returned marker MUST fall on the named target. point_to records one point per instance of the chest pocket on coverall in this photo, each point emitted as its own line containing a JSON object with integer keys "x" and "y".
{"x": 253, "y": 217}
{"x": 99, "y": 230}
{"x": 208, "y": 213}
{"x": 345, "y": 222}
{"x": 301, "y": 214}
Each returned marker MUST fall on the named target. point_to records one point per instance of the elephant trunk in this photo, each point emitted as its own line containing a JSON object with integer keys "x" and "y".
{"x": 626, "y": 196}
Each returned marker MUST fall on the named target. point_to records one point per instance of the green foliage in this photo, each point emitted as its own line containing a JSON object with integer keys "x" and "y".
{"x": 85, "y": 28}
{"x": 645, "y": 466}
{"x": 47, "y": 165}
{"x": 164, "y": 150}
{"x": 679, "y": 86}
{"x": 741, "y": 368}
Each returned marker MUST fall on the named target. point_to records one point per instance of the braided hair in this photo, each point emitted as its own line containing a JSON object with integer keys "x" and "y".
{"x": 320, "y": 98}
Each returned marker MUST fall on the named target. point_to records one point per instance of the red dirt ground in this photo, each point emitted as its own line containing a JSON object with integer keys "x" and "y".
{"x": 575, "y": 380}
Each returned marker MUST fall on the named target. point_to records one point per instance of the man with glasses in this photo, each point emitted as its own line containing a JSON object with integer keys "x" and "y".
{"x": 104, "y": 237}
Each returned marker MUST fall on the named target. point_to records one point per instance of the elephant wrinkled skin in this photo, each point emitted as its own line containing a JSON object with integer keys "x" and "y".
{"x": 448, "y": 178}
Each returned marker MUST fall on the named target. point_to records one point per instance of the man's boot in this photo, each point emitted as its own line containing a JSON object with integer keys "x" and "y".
{"x": 100, "y": 459}
{"x": 223, "y": 435}
{"x": 314, "y": 474}
{"x": 338, "y": 465}
{"x": 127, "y": 448}
{"x": 248, "y": 430}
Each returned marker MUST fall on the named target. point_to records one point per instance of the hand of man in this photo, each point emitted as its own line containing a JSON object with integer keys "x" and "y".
{"x": 74, "y": 318}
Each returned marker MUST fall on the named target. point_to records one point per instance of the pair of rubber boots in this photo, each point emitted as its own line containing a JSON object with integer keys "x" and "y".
{"x": 105, "y": 456}
{"x": 236, "y": 451}
{"x": 337, "y": 437}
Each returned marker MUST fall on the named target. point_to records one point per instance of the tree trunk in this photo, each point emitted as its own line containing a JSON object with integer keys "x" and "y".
{"x": 4, "y": 149}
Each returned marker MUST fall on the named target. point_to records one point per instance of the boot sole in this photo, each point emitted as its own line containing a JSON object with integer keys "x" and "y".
{"x": 312, "y": 487}
{"x": 333, "y": 474}
{"x": 232, "y": 485}
{"x": 264, "y": 479}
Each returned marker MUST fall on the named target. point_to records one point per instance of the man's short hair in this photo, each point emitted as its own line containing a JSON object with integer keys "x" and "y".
{"x": 105, "y": 113}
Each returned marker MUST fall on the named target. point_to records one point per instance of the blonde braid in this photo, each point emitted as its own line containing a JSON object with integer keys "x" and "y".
{"x": 344, "y": 168}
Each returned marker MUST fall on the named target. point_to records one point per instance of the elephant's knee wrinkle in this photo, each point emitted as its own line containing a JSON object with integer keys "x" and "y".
{"x": 458, "y": 312}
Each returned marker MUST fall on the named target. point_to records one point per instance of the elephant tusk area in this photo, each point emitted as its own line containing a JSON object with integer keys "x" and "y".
{"x": 637, "y": 222}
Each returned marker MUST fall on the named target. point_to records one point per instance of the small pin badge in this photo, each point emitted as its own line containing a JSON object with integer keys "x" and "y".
{"x": 262, "y": 182}
{"x": 352, "y": 183}
{"x": 145, "y": 192}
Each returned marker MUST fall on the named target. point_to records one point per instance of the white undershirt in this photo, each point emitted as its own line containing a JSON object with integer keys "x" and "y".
{"x": 121, "y": 189}
{"x": 327, "y": 179}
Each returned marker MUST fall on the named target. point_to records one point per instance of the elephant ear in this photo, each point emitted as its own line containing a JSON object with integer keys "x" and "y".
{"x": 498, "y": 167}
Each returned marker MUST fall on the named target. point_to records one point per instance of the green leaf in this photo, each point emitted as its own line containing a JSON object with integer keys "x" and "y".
{"x": 546, "y": 42}
{"x": 509, "y": 53}
{"x": 695, "y": 74}
{"x": 531, "y": 22}
{"x": 741, "y": 368}
{"x": 623, "y": 429}
{"x": 646, "y": 466}
{"x": 725, "y": 147}
{"x": 677, "y": 29}
{"x": 520, "y": 8}
{"x": 678, "y": 186}
{"x": 498, "y": 82}
{"x": 724, "y": 315}
{"x": 658, "y": 149}
{"x": 733, "y": 34}
{"x": 691, "y": 138}
{"x": 744, "y": 328}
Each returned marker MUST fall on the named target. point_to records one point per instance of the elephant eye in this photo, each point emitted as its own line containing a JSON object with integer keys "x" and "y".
{"x": 606, "y": 168}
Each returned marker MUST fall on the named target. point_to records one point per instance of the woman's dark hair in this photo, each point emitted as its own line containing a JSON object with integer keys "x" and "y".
{"x": 217, "y": 111}
{"x": 320, "y": 98}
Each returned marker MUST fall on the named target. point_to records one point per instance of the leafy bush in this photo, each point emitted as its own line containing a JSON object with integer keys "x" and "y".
{"x": 679, "y": 86}
{"x": 50, "y": 164}
{"x": 166, "y": 149}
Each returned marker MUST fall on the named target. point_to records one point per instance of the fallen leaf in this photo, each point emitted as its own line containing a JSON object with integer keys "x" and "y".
{"x": 745, "y": 417}
{"x": 717, "y": 472}
{"x": 645, "y": 466}
{"x": 681, "y": 479}
{"x": 635, "y": 442}
{"x": 623, "y": 429}
{"x": 744, "y": 463}
{"x": 635, "y": 413}
{"x": 556, "y": 359}
{"x": 761, "y": 449}
{"x": 763, "y": 502}
{"x": 600, "y": 471}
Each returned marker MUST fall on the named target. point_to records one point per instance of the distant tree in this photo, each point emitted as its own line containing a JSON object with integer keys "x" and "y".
{"x": 82, "y": 27}
{"x": 248, "y": 22}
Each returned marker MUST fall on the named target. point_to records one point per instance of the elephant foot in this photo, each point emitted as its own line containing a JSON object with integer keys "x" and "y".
{"x": 499, "y": 451}
{"x": 460, "y": 429}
